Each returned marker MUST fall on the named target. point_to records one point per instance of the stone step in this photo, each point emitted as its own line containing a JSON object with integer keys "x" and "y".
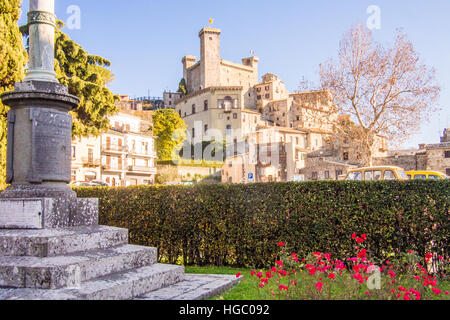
{"x": 194, "y": 287}
{"x": 124, "y": 285}
{"x": 69, "y": 270}
{"x": 55, "y": 242}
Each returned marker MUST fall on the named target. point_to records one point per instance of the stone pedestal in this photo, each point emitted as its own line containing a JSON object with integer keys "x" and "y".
{"x": 39, "y": 160}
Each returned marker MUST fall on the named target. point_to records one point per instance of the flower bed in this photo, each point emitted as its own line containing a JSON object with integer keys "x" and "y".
{"x": 320, "y": 277}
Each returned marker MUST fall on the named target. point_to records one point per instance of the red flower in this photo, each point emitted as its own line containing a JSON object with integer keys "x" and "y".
{"x": 253, "y": 273}
{"x": 359, "y": 240}
{"x": 238, "y": 275}
{"x": 362, "y": 254}
{"x": 281, "y": 244}
{"x": 364, "y": 236}
{"x": 262, "y": 285}
{"x": 282, "y": 287}
{"x": 280, "y": 263}
{"x": 332, "y": 276}
{"x": 354, "y": 236}
{"x": 368, "y": 293}
{"x": 259, "y": 275}
{"x": 319, "y": 286}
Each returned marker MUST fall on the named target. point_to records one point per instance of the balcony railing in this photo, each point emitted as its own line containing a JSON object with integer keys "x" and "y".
{"x": 143, "y": 153}
{"x": 111, "y": 167}
{"x": 142, "y": 169}
{"x": 114, "y": 148}
{"x": 89, "y": 162}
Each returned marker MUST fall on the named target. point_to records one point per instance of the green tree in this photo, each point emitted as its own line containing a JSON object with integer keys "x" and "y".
{"x": 13, "y": 59}
{"x": 182, "y": 87}
{"x": 170, "y": 131}
{"x": 86, "y": 76}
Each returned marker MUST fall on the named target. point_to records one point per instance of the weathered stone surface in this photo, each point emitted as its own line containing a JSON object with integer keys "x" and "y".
{"x": 48, "y": 213}
{"x": 24, "y": 213}
{"x": 54, "y": 242}
{"x": 71, "y": 269}
{"x": 194, "y": 287}
{"x": 120, "y": 286}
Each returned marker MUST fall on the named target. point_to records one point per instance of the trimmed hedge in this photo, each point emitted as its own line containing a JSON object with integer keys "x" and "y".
{"x": 241, "y": 225}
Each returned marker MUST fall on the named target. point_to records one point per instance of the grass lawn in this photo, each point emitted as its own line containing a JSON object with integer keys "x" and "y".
{"x": 247, "y": 289}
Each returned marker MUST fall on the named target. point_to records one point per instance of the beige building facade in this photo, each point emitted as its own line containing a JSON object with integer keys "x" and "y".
{"x": 123, "y": 156}
{"x": 429, "y": 157}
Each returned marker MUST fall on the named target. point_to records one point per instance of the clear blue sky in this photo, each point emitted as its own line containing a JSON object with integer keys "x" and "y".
{"x": 146, "y": 39}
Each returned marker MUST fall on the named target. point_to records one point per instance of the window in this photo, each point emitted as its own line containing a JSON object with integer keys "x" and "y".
{"x": 193, "y": 109}
{"x": 338, "y": 173}
{"x": 267, "y": 96}
{"x": 377, "y": 175}
{"x": 235, "y": 116}
{"x": 205, "y": 105}
{"x": 434, "y": 177}
{"x": 206, "y": 128}
{"x": 74, "y": 152}
{"x": 267, "y": 88}
{"x": 447, "y": 154}
{"x": 447, "y": 172}
{"x": 420, "y": 177}
{"x": 258, "y": 90}
{"x": 389, "y": 175}
{"x": 368, "y": 176}
{"x": 228, "y": 129}
{"x": 327, "y": 174}
{"x": 345, "y": 156}
{"x": 314, "y": 176}
{"x": 179, "y": 112}
{"x": 91, "y": 156}
{"x": 193, "y": 132}
{"x": 355, "y": 176}
{"x": 258, "y": 97}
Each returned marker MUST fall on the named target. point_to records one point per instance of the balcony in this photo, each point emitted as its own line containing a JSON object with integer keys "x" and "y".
{"x": 142, "y": 169}
{"x": 112, "y": 167}
{"x": 114, "y": 148}
{"x": 90, "y": 162}
{"x": 143, "y": 153}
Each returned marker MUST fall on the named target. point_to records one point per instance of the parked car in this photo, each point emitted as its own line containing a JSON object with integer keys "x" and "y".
{"x": 426, "y": 175}
{"x": 377, "y": 173}
{"x": 89, "y": 184}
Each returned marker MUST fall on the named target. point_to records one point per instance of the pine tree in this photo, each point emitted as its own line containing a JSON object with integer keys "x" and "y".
{"x": 13, "y": 59}
{"x": 86, "y": 76}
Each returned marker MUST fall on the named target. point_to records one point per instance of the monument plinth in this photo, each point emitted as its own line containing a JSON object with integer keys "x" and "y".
{"x": 39, "y": 140}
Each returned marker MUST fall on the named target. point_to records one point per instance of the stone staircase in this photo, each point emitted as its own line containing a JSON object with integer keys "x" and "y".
{"x": 93, "y": 263}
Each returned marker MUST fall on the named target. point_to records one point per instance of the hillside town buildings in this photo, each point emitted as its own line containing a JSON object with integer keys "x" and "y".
{"x": 124, "y": 155}
{"x": 225, "y": 101}
{"x": 428, "y": 157}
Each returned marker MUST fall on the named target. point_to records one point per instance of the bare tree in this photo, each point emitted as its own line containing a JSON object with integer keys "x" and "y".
{"x": 387, "y": 92}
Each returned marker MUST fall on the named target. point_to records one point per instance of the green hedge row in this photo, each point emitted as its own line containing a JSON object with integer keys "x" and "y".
{"x": 242, "y": 224}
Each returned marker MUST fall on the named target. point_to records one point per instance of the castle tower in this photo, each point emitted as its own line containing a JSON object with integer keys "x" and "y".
{"x": 209, "y": 57}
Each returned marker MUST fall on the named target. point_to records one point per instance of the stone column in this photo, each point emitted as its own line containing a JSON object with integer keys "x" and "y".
{"x": 41, "y": 27}
{"x": 40, "y": 131}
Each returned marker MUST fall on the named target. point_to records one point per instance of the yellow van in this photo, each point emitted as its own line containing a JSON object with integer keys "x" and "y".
{"x": 426, "y": 175}
{"x": 376, "y": 173}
